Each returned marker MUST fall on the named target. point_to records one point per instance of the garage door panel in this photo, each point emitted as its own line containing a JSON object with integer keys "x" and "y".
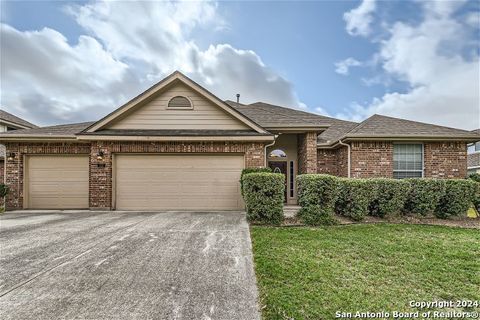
{"x": 57, "y": 182}
{"x": 178, "y": 182}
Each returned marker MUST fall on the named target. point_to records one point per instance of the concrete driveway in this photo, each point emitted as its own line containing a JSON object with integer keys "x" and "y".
{"x": 126, "y": 265}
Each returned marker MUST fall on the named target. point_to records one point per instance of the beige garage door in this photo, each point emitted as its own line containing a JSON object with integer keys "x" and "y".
{"x": 57, "y": 182}
{"x": 178, "y": 182}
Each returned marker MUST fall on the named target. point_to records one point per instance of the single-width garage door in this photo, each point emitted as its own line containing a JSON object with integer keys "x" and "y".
{"x": 178, "y": 182}
{"x": 57, "y": 182}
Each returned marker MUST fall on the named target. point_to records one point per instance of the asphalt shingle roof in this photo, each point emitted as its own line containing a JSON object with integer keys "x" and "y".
{"x": 383, "y": 126}
{"x": 4, "y": 115}
{"x": 58, "y": 130}
{"x": 270, "y": 116}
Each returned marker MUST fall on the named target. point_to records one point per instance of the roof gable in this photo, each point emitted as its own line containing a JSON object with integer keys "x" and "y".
{"x": 149, "y": 110}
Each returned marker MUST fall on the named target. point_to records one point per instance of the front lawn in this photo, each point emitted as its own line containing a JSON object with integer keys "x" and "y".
{"x": 311, "y": 273}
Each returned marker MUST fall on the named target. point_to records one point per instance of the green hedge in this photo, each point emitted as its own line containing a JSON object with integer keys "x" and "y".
{"x": 390, "y": 196}
{"x": 251, "y": 170}
{"x": 424, "y": 195}
{"x": 3, "y": 190}
{"x": 264, "y": 196}
{"x": 475, "y": 177}
{"x": 355, "y": 196}
{"x": 458, "y": 196}
{"x": 317, "y": 194}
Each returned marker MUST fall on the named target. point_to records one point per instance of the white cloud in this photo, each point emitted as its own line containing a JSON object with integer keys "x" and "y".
{"x": 47, "y": 80}
{"x": 358, "y": 20}
{"x": 43, "y": 77}
{"x": 342, "y": 67}
{"x": 444, "y": 84}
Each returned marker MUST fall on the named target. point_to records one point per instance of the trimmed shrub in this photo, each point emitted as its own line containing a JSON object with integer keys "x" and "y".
{"x": 264, "y": 196}
{"x": 458, "y": 196}
{"x": 317, "y": 194}
{"x": 424, "y": 195}
{"x": 475, "y": 177}
{"x": 390, "y": 197}
{"x": 251, "y": 170}
{"x": 3, "y": 190}
{"x": 355, "y": 197}
{"x": 476, "y": 199}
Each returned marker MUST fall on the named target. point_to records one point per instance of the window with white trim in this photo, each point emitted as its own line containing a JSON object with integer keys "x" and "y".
{"x": 407, "y": 160}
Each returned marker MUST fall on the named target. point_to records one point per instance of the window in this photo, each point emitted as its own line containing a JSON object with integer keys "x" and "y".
{"x": 277, "y": 153}
{"x": 180, "y": 102}
{"x": 474, "y": 147}
{"x": 407, "y": 161}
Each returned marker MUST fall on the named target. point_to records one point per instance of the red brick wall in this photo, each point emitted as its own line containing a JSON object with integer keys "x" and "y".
{"x": 307, "y": 152}
{"x": 327, "y": 162}
{"x": 371, "y": 159}
{"x": 333, "y": 161}
{"x": 14, "y": 168}
{"x": 342, "y": 162}
{"x": 445, "y": 160}
{"x": 101, "y": 177}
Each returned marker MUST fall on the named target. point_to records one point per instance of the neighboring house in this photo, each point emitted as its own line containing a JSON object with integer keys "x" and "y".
{"x": 177, "y": 146}
{"x": 9, "y": 122}
{"x": 473, "y": 158}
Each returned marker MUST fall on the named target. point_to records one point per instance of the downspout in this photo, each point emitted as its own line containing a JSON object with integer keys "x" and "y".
{"x": 269, "y": 145}
{"x": 348, "y": 157}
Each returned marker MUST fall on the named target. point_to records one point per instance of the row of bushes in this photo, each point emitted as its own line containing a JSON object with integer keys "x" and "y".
{"x": 322, "y": 195}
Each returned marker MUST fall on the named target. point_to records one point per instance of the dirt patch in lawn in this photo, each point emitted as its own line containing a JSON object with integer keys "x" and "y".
{"x": 462, "y": 222}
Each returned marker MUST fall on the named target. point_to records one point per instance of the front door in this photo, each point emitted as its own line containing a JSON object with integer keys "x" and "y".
{"x": 280, "y": 167}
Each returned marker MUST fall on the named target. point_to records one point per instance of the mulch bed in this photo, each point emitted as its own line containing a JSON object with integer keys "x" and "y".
{"x": 462, "y": 222}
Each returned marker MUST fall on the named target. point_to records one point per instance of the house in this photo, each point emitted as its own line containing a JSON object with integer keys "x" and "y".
{"x": 9, "y": 122}
{"x": 473, "y": 157}
{"x": 177, "y": 146}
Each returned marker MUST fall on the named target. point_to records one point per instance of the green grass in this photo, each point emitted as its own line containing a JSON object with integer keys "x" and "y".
{"x": 310, "y": 273}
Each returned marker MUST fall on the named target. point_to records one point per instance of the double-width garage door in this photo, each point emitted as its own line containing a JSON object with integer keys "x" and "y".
{"x": 178, "y": 182}
{"x": 56, "y": 182}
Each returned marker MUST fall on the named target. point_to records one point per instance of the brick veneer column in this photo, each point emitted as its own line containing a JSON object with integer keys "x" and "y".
{"x": 307, "y": 152}
{"x": 14, "y": 177}
{"x": 371, "y": 159}
{"x": 100, "y": 176}
{"x": 445, "y": 160}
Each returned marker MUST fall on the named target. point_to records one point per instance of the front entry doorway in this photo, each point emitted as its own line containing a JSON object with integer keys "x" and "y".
{"x": 280, "y": 167}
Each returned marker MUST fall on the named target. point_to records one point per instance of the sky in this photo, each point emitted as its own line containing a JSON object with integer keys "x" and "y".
{"x": 65, "y": 62}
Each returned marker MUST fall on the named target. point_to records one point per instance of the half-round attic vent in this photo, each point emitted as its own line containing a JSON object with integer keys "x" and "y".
{"x": 180, "y": 102}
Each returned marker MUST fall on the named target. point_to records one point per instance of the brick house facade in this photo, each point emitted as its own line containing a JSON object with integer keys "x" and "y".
{"x": 373, "y": 159}
{"x": 211, "y": 128}
{"x": 100, "y": 185}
